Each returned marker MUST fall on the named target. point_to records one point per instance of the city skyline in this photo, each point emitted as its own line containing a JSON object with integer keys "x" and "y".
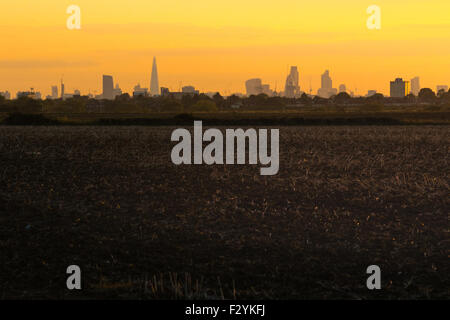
{"x": 293, "y": 82}
{"x": 291, "y": 88}
{"x": 398, "y": 88}
{"x": 220, "y": 47}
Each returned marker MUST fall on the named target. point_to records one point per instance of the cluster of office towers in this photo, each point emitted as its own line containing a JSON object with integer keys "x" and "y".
{"x": 401, "y": 88}
{"x": 292, "y": 86}
{"x": 110, "y": 92}
{"x": 398, "y": 88}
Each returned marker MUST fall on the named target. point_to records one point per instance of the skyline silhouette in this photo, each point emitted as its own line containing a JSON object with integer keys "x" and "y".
{"x": 254, "y": 86}
{"x": 222, "y": 45}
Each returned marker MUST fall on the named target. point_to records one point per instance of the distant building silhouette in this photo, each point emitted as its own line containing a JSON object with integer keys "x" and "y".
{"x": 154, "y": 83}
{"x": 342, "y": 88}
{"x": 189, "y": 89}
{"x": 326, "y": 90}
{"x": 326, "y": 81}
{"x": 164, "y": 92}
{"x": 211, "y": 94}
{"x": 117, "y": 91}
{"x": 138, "y": 91}
{"x": 185, "y": 91}
{"x": 71, "y": 95}
{"x": 24, "y": 94}
{"x": 441, "y": 87}
{"x": 371, "y": 93}
{"x": 54, "y": 92}
{"x": 399, "y": 88}
{"x": 415, "y": 86}
{"x": 292, "y": 87}
{"x": 29, "y": 94}
{"x": 62, "y": 89}
{"x": 253, "y": 87}
{"x": 266, "y": 90}
{"x": 6, "y": 95}
{"x": 108, "y": 88}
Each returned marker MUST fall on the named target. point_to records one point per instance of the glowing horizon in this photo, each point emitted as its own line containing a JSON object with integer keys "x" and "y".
{"x": 217, "y": 46}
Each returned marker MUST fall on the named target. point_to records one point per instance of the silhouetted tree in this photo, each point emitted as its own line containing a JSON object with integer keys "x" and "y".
{"x": 342, "y": 98}
{"x": 203, "y": 96}
{"x": 377, "y": 99}
{"x": 203, "y": 106}
{"x": 218, "y": 100}
{"x": 277, "y": 102}
{"x": 410, "y": 98}
{"x": 319, "y": 100}
{"x": 6, "y": 106}
{"x": 231, "y": 100}
{"x": 441, "y": 93}
{"x": 29, "y": 105}
{"x": 171, "y": 105}
{"x": 75, "y": 105}
{"x": 259, "y": 100}
{"x": 445, "y": 98}
{"x": 427, "y": 95}
{"x": 188, "y": 100}
{"x": 125, "y": 97}
{"x": 305, "y": 99}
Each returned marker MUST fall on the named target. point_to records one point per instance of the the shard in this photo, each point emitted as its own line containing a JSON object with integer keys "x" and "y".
{"x": 154, "y": 84}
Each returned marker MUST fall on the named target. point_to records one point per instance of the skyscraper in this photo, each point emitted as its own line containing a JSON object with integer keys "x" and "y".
{"x": 54, "y": 92}
{"x": 266, "y": 90}
{"x": 415, "y": 86}
{"x": 399, "y": 88}
{"x": 154, "y": 84}
{"x": 292, "y": 88}
{"x": 254, "y": 87}
{"x": 108, "y": 87}
{"x": 326, "y": 81}
{"x": 117, "y": 91}
{"x": 327, "y": 90}
{"x": 62, "y": 89}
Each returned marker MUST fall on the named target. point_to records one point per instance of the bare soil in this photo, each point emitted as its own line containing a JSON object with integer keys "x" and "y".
{"x": 110, "y": 200}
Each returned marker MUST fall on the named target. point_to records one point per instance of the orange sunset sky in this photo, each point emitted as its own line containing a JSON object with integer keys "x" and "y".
{"x": 217, "y": 45}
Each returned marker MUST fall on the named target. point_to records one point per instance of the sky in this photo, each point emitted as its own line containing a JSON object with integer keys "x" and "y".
{"x": 217, "y": 45}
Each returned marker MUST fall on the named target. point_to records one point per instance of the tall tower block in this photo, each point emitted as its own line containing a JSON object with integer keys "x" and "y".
{"x": 154, "y": 83}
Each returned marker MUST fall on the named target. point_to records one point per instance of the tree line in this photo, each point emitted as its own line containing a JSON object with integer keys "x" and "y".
{"x": 203, "y": 103}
